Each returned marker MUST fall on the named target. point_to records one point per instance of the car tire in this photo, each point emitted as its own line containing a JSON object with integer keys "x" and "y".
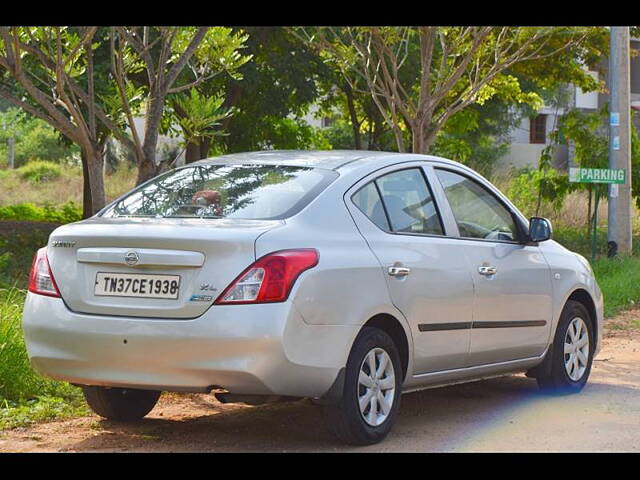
{"x": 346, "y": 420}
{"x": 123, "y": 404}
{"x": 567, "y": 371}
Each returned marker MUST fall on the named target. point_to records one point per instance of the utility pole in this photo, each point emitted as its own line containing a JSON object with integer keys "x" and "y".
{"x": 619, "y": 228}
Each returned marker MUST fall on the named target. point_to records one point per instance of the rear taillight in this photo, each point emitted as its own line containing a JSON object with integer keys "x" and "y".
{"x": 41, "y": 279}
{"x": 270, "y": 278}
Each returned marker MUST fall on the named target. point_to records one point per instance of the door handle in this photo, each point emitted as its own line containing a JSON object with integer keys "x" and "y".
{"x": 399, "y": 271}
{"x": 484, "y": 270}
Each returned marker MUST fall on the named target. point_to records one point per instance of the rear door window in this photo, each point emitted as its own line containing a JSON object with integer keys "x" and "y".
{"x": 367, "y": 199}
{"x": 400, "y": 202}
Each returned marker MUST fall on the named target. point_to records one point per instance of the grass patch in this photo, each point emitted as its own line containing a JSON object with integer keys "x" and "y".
{"x": 60, "y": 189}
{"x": 40, "y": 409}
{"x": 579, "y": 240}
{"x": 619, "y": 280}
{"x": 26, "y": 396}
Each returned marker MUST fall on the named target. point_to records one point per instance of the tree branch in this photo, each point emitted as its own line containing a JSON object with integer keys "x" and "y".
{"x": 185, "y": 57}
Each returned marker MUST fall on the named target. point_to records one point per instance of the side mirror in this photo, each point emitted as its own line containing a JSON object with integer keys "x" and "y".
{"x": 539, "y": 229}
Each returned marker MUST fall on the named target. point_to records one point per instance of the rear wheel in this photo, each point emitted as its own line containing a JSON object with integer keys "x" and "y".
{"x": 572, "y": 353}
{"x": 124, "y": 404}
{"x": 371, "y": 395}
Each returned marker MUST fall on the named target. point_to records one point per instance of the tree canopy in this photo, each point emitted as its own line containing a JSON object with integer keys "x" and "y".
{"x": 454, "y": 91}
{"x": 419, "y": 77}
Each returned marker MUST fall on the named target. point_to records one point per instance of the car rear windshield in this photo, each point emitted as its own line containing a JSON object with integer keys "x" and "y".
{"x": 259, "y": 192}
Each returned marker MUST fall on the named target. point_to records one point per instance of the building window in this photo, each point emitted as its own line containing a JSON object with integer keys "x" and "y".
{"x": 326, "y": 122}
{"x": 538, "y": 129}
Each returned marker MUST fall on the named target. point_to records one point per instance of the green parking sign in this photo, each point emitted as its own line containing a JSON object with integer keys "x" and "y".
{"x": 613, "y": 176}
{"x": 597, "y": 175}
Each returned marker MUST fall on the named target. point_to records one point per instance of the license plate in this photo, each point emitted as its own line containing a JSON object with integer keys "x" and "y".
{"x": 137, "y": 285}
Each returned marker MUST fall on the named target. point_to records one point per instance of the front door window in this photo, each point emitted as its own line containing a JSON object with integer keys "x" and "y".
{"x": 478, "y": 213}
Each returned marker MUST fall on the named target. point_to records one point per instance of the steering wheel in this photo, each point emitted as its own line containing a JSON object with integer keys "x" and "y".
{"x": 497, "y": 233}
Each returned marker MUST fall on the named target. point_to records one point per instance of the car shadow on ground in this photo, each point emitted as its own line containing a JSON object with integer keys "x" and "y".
{"x": 443, "y": 419}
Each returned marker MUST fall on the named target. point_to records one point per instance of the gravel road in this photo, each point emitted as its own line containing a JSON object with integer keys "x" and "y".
{"x": 501, "y": 414}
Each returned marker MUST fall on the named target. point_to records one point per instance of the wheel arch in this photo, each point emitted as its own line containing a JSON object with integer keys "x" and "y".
{"x": 583, "y": 297}
{"x": 392, "y": 327}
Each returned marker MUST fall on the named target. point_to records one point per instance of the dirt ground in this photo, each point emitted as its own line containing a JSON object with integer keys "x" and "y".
{"x": 501, "y": 414}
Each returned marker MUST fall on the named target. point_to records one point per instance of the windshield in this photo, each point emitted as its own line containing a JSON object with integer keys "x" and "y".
{"x": 259, "y": 192}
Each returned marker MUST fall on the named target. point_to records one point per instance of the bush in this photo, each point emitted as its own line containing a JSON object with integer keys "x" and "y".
{"x": 40, "y": 171}
{"x": 67, "y": 213}
{"x": 551, "y": 186}
{"x": 17, "y": 248}
{"x": 34, "y": 139}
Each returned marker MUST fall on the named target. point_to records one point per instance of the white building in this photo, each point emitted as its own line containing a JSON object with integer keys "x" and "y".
{"x": 532, "y": 135}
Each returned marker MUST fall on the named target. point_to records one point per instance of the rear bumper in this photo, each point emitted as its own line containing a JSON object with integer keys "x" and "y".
{"x": 249, "y": 349}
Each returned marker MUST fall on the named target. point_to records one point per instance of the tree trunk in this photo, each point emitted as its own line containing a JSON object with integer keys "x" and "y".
{"x": 375, "y": 133}
{"x": 93, "y": 196}
{"x": 87, "y": 201}
{"x": 422, "y": 140}
{"x": 205, "y": 144}
{"x": 147, "y": 167}
{"x": 197, "y": 151}
{"x": 192, "y": 153}
{"x": 357, "y": 139}
{"x": 417, "y": 140}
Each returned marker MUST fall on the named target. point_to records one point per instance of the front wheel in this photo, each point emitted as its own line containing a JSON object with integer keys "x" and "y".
{"x": 124, "y": 404}
{"x": 572, "y": 353}
{"x": 371, "y": 395}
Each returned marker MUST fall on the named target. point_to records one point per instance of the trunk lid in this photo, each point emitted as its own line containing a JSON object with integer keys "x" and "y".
{"x": 206, "y": 255}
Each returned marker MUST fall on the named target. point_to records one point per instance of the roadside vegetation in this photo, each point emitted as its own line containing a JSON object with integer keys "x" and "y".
{"x": 227, "y": 90}
{"x": 56, "y": 185}
{"x": 25, "y": 396}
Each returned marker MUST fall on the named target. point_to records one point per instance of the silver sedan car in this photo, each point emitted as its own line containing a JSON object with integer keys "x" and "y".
{"x": 347, "y": 277}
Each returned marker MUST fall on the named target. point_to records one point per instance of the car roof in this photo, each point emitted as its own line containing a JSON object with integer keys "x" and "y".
{"x": 329, "y": 159}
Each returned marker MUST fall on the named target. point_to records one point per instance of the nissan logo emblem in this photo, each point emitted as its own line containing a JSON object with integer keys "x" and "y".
{"x": 131, "y": 258}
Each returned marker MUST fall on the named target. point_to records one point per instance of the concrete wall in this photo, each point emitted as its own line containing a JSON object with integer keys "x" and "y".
{"x": 587, "y": 100}
{"x": 527, "y": 155}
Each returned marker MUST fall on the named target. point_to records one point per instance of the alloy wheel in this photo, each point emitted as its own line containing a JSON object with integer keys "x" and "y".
{"x": 376, "y": 386}
{"x": 576, "y": 349}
